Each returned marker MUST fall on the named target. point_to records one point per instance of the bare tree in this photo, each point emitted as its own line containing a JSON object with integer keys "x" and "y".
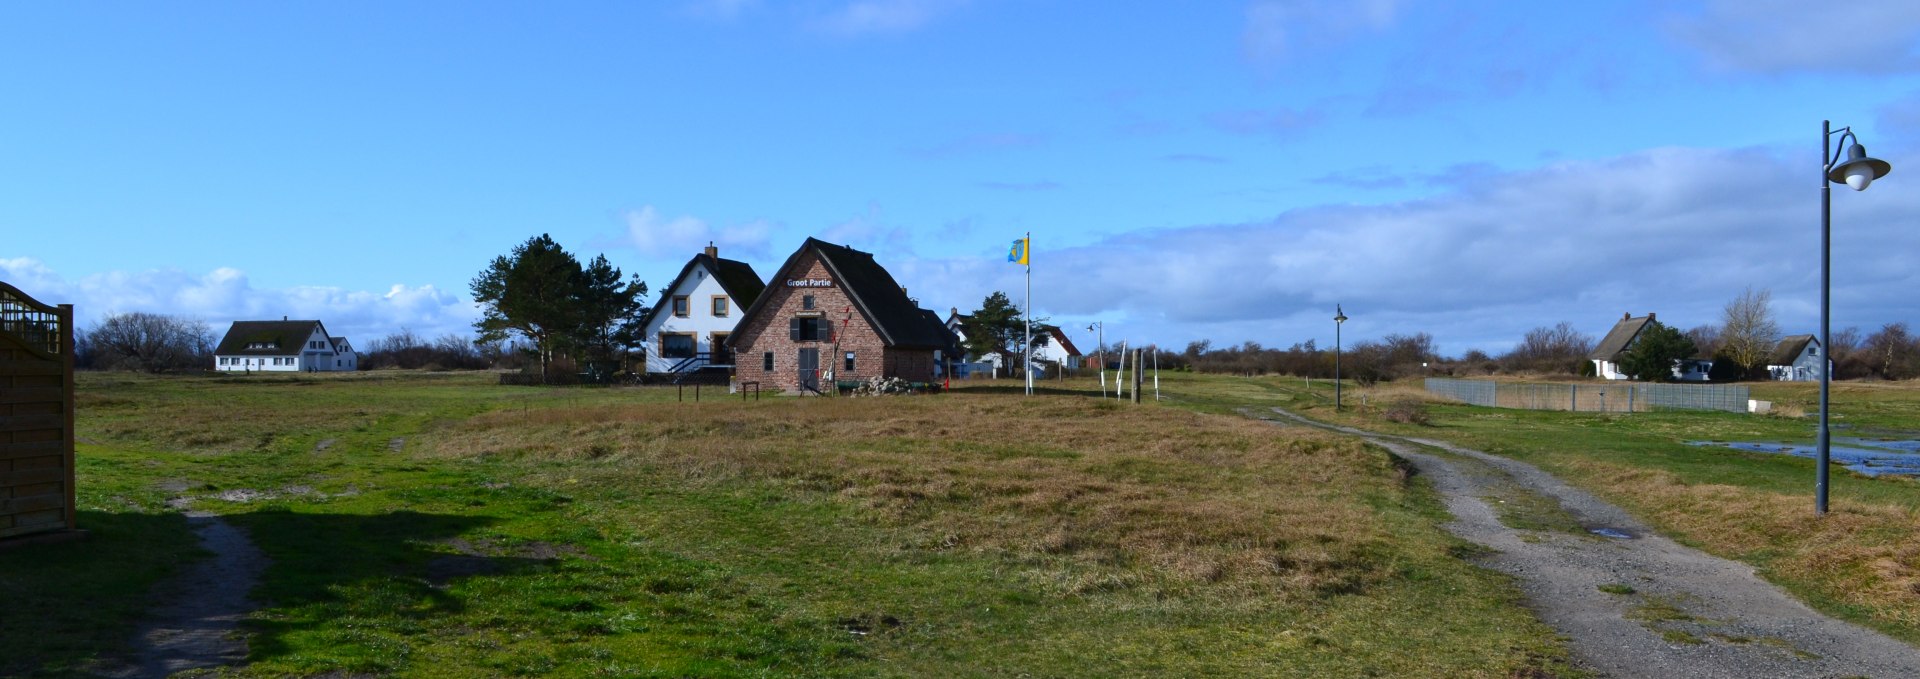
{"x": 1560, "y": 348}
{"x": 1894, "y": 352}
{"x": 1706, "y": 338}
{"x": 1748, "y": 333}
{"x": 151, "y": 342}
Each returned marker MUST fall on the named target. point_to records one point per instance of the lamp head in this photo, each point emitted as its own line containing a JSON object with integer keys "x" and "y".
{"x": 1338, "y": 315}
{"x": 1859, "y": 170}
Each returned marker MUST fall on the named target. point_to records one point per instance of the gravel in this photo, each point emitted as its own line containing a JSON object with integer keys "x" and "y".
{"x": 1680, "y": 612}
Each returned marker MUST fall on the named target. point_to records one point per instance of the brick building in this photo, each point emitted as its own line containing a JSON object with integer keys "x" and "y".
{"x": 831, "y": 313}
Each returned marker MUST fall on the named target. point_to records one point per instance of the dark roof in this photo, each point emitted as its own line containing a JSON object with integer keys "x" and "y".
{"x": 899, "y": 321}
{"x": 1617, "y": 339}
{"x": 1789, "y": 348}
{"x": 952, "y": 346}
{"x": 288, "y": 338}
{"x": 1061, "y": 337}
{"x": 736, "y": 277}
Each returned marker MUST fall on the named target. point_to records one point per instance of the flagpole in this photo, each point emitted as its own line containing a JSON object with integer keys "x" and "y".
{"x": 1027, "y": 250}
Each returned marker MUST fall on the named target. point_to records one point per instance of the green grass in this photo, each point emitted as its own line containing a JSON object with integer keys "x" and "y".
{"x": 1857, "y": 562}
{"x": 617, "y": 532}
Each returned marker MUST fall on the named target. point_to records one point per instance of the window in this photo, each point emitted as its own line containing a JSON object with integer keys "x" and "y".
{"x": 719, "y": 306}
{"x": 808, "y": 329}
{"x": 766, "y": 362}
{"x": 676, "y": 345}
{"x": 680, "y": 307}
{"x": 806, "y": 302}
{"x": 849, "y": 367}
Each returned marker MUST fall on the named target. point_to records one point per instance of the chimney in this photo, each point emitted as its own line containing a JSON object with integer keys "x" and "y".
{"x": 953, "y": 310}
{"x": 1626, "y": 316}
{"x": 903, "y": 291}
{"x": 712, "y": 251}
{"x": 1650, "y": 316}
{"x": 283, "y": 318}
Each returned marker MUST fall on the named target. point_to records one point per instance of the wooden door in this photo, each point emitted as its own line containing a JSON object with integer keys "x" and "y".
{"x": 810, "y": 369}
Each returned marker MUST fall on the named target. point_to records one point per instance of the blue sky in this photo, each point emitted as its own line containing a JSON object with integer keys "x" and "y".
{"x": 1207, "y": 170}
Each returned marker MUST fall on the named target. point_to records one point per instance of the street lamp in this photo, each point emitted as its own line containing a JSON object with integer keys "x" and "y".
{"x": 1856, "y": 171}
{"x": 1338, "y": 318}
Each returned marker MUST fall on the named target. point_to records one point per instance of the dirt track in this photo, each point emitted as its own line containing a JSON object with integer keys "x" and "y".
{"x": 1688, "y": 613}
{"x": 197, "y": 621}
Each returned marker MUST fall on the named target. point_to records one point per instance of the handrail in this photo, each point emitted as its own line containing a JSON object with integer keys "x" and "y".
{"x": 41, "y": 327}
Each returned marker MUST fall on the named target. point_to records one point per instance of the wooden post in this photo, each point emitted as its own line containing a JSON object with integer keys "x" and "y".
{"x": 1139, "y": 374}
{"x": 66, "y": 349}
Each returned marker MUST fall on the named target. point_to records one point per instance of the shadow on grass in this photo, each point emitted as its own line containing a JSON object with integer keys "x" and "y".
{"x": 68, "y": 603}
{"x": 1021, "y": 390}
{"x": 390, "y": 567}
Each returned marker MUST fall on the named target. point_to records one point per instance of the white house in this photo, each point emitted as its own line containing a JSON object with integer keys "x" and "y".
{"x": 1057, "y": 350}
{"x": 1606, "y": 356}
{"x": 1053, "y": 348}
{"x": 283, "y": 346}
{"x": 689, "y": 326}
{"x": 1795, "y": 359}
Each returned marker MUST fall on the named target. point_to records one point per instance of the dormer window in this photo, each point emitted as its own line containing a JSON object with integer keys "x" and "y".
{"x": 262, "y": 345}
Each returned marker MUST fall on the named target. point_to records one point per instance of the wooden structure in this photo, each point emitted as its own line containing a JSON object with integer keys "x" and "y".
{"x": 36, "y": 416}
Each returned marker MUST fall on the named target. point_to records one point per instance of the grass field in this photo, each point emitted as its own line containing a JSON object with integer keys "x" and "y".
{"x": 438, "y": 525}
{"x": 1861, "y": 562}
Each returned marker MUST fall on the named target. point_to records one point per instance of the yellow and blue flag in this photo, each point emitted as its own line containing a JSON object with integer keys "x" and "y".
{"x": 1018, "y": 254}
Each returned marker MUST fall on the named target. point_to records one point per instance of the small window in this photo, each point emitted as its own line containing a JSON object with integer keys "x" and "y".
{"x": 808, "y": 329}
{"x": 766, "y": 362}
{"x": 806, "y": 302}
{"x": 719, "y": 306}
{"x": 849, "y": 367}
{"x": 680, "y": 306}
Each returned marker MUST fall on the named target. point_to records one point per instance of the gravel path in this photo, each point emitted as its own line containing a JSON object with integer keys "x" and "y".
{"x": 1687, "y": 613}
{"x": 196, "y": 624}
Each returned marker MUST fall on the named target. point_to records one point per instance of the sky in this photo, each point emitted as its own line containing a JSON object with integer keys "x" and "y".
{"x": 1227, "y": 171}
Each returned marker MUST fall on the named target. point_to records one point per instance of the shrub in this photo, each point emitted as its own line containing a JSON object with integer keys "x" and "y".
{"x": 1408, "y": 411}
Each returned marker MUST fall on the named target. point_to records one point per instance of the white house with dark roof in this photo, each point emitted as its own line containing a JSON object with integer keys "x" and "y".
{"x": 689, "y": 326}
{"x": 1606, "y": 356}
{"x": 1795, "y": 359}
{"x": 283, "y": 346}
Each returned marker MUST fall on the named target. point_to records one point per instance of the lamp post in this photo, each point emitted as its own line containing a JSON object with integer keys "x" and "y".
{"x": 1856, "y": 170}
{"x": 1338, "y": 318}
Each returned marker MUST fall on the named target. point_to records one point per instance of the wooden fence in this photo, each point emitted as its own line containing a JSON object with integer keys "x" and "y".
{"x": 36, "y": 415}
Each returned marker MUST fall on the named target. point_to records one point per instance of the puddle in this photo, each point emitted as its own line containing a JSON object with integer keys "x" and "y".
{"x": 1614, "y": 533}
{"x": 1866, "y": 456}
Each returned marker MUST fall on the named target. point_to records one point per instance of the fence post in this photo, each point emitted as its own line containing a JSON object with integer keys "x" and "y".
{"x": 1630, "y": 393}
{"x": 1573, "y": 401}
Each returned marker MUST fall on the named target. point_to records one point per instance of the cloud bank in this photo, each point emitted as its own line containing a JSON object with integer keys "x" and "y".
{"x": 225, "y": 295}
{"x": 1677, "y": 231}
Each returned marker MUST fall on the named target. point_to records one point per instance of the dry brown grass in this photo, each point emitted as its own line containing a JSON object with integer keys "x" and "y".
{"x": 1128, "y": 496}
{"x": 1861, "y": 554}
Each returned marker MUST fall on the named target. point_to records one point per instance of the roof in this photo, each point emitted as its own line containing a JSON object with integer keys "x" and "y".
{"x": 288, "y": 338}
{"x": 1067, "y": 344}
{"x": 953, "y": 338}
{"x": 1789, "y": 349}
{"x": 736, "y": 277}
{"x": 899, "y": 321}
{"x": 1617, "y": 339}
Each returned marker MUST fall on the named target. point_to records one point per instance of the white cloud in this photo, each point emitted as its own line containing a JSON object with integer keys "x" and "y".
{"x": 1275, "y": 29}
{"x": 225, "y": 295}
{"x": 1776, "y": 36}
{"x": 1676, "y": 231}
{"x": 682, "y": 237}
{"x": 864, "y": 17}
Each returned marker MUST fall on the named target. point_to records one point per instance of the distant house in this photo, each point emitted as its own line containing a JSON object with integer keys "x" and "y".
{"x": 833, "y": 314}
{"x": 696, "y": 313}
{"x": 1054, "y": 348}
{"x": 1607, "y": 355}
{"x": 283, "y": 346}
{"x": 1795, "y": 359}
